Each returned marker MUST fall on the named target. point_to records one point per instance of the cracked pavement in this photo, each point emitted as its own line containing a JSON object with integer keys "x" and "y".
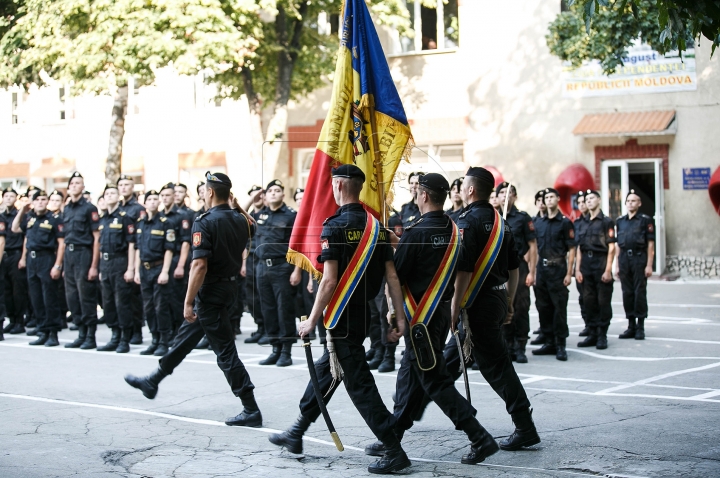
{"x": 637, "y": 409}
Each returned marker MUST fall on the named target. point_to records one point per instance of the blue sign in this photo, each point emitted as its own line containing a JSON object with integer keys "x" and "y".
{"x": 696, "y": 178}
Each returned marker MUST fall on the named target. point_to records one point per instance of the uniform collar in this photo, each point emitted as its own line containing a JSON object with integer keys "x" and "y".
{"x": 220, "y": 207}
{"x": 283, "y": 208}
{"x": 430, "y": 214}
{"x": 354, "y": 206}
{"x": 513, "y": 210}
{"x": 79, "y": 202}
{"x": 599, "y": 216}
{"x": 558, "y": 217}
{"x": 130, "y": 201}
{"x": 479, "y": 203}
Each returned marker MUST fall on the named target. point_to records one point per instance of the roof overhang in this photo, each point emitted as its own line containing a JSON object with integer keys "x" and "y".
{"x": 640, "y": 123}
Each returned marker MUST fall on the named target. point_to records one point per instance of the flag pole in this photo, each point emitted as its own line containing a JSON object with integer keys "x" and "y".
{"x": 377, "y": 165}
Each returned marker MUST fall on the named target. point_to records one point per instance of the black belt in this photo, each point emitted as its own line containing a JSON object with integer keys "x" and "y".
{"x": 636, "y": 252}
{"x": 214, "y": 280}
{"x": 106, "y": 256}
{"x": 274, "y": 261}
{"x": 12, "y": 252}
{"x": 558, "y": 261}
{"x": 35, "y": 254}
{"x": 72, "y": 247}
{"x": 150, "y": 265}
{"x": 594, "y": 253}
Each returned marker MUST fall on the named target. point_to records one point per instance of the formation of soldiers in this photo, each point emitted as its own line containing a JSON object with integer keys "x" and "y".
{"x": 189, "y": 275}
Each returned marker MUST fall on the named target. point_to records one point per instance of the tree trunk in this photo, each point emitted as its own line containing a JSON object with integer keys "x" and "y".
{"x": 117, "y": 132}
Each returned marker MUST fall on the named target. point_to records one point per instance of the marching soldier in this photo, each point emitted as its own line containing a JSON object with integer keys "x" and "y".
{"x": 15, "y": 288}
{"x": 409, "y": 211}
{"x": 117, "y": 271}
{"x": 276, "y": 277}
{"x": 44, "y": 258}
{"x": 82, "y": 255}
{"x": 155, "y": 240}
{"x": 594, "y": 271}
{"x": 219, "y": 237}
{"x": 556, "y": 254}
{"x": 635, "y": 255}
{"x": 456, "y": 199}
{"x": 252, "y": 291}
{"x": 523, "y": 231}
{"x": 579, "y": 225}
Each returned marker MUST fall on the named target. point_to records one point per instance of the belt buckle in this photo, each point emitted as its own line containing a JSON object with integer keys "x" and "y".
{"x": 106, "y": 256}
{"x": 71, "y": 247}
{"x": 268, "y": 262}
{"x": 629, "y": 252}
{"x": 589, "y": 253}
{"x": 545, "y": 262}
{"x": 32, "y": 254}
{"x": 146, "y": 265}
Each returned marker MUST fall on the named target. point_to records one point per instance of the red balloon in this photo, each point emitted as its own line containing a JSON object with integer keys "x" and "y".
{"x": 496, "y": 174}
{"x": 576, "y": 177}
{"x": 714, "y": 190}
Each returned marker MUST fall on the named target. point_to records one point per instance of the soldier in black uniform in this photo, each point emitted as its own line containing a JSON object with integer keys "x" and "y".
{"x": 155, "y": 240}
{"x": 635, "y": 255}
{"x": 347, "y": 337}
{"x": 490, "y": 308}
{"x": 117, "y": 271}
{"x": 44, "y": 253}
{"x": 82, "y": 255}
{"x": 179, "y": 197}
{"x": 252, "y": 292}
{"x": 130, "y": 205}
{"x": 556, "y": 255}
{"x": 219, "y": 237}
{"x": 15, "y": 279}
{"x": 523, "y": 230}
{"x": 276, "y": 277}
{"x": 579, "y": 225}
{"x": 409, "y": 211}
{"x": 594, "y": 271}
{"x": 456, "y": 199}
{"x": 540, "y": 205}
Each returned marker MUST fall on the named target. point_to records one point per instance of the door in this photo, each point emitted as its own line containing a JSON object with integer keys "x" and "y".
{"x": 645, "y": 177}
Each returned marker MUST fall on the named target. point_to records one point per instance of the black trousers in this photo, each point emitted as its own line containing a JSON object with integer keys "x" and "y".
{"x": 277, "y": 298}
{"x": 136, "y": 305}
{"x": 634, "y": 284}
{"x": 178, "y": 289}
{"x": 438, "y": 384}
{"x": 81, "y": 293}
{"x": 15, "y": 286}
{"x": 519, "y": 328}
{"x": 252, "y": 293}
{"x": 597, "y": 294}
{"x": 358, "y": 380}
{"x": 579, "y": 287}
{"x": 235, "y": 311}
{"x": 486, "y": 317}
{"x": 551, "y": 299}
{"x": 44, "y": 291}
{"x": 117, "y": 294}
{"x": 188, "y": 336}
{"x": 156, "y": 300}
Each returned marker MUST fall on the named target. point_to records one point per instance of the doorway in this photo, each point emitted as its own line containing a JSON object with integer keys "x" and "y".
{"x": 645, "y": 177}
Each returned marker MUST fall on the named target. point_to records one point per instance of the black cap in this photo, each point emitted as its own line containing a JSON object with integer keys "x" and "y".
{"x": 458, "y": 182}
{"x": 551, "y": 190}
{"x": 56, "y": 192}
{"x": 182, "y": 186}
{"x": 170, "y": 185}
{"x": 76, "y": 174}
{"x": 482, "y": 174}
{"x": 540, "y": 195}
{"x": 632, "y": 191}
{"x": 297, "y": 191}
{"x": 124, "y": 177}
{"x": 86, "y": 192}
{"x": 581, "y": 194}
{"x": 254, "y": 188}
{"x": 199, "y": 185}
{"x": 9, "y": 189}
{"x": 218, "y": 178}
{"x": 152, "y": 192}
{"x": 348, "y": 171}
{"x": 32, "y": 192}
{"x": 502, "y": 186}
{"x": 109, "y": 186}
{"x": 36, "y": 193}
{"x": 592, "y": 191}
{"x": 435, "y": 182}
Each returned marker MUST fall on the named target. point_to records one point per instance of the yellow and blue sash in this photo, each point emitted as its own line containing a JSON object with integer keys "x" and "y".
{"x": 423, "y": 312}
{"x": 485, "y": 261}
{"x": 354, "y": 271}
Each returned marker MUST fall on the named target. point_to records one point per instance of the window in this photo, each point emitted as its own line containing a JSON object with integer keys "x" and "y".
{"x": 428, "y": 17}
{"x": 14, "y": 108}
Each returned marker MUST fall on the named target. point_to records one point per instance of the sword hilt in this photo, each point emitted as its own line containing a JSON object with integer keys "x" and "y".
{"x": 306, "y": 340}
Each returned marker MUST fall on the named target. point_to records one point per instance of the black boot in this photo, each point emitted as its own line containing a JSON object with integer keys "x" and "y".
{"x": 590, "y": 340}
{"x": 584, "y": 332}
{"x": 539, "y": 340}
{"x": 548, "y": 347}
{"x": 378, "y": 448}
{"x": 388, "y": 362}
{"x": 273, "y": 357}
{"x": 291, "y": 438}
{"x": 8, "y": 327}
{"x": 369, "y": 354}
{"x": 561, "y": 353}
{"x": 162, "y": 347}
{"x": 630, "y": 331}
{"x": 537, "y": 331}
{"x": 264, "y": 340}
{"x": 378, "y": 357}
{"x": 250, "y": 416}
{"x": 520, "y": 356}
{"x": 82, "y": 333}
{"x": 255, "y": 336}
{"x": 89, "y": 342}
{"x": 2, "y": 330}
{"x": 32, "y": 332}
{"x": 52, "y": 340}
{"x": 640, "y": 332}
{"x": 42, "y": 337}
{"x": 147, "y": 385}
{"x": 137, "y": 338}
{"x": 483, "y": 444}
{"x": 203, "y": 344}
{"x": 393, "y": 461}
{"x": 602, "y": 342}
{"x": 114, "y": 341}
{"x": 285, "y": 359}
{"x": 525, "y": 433}
{"x": 153, "y": 345}
{"x": 124, "y": 344}
{"x": 17, "y": 328}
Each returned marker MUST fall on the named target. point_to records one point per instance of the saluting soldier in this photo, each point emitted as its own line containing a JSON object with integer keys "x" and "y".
{"x": 487, "y": 305}
{"x": 635, "y": 255}
{"x": 117, "y": 271}
{"x": 523, "y": 231}
{"x": 219, "y": 237}
{"x": 82, "y": 255}
{"x": 44, "y": 258}
{"x": 155, "y": 240}
{"x": 579, "y": 225}
{"x": 252, "y": 291}
{"x": 409, "y": 211}
{"x": 456, "y": 200}
{"x": 15, "y": 288}
{"x": 556, "y": 255}
{"x": 340, "y": 238}
{"x": 594, "y": 271}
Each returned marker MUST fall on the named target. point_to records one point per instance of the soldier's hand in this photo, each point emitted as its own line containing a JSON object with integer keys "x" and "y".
{"x": 92, "y": 274}
{"x": 310, "y": 286}
{"x": 579, "y": 277}
{"x": 306, "y": 326}
{"x": 567, "y": 280}
{"x": 189, "y": 313}
{"x": 243, "y": 270}
{"x": 607, "y": 276}
{"x": 179, "y": 272}
{"x": 510, "y": 313}
{"x": 24, "y": 205}
{"x": 530, "y": 280}
{"x": 21, "y": 264}
{"x": 55, "y": 273}
{"x": 648, "y": 271}
{"x": 136, "y": 278}
{"x": 295, "y": 277}
{"x": 163, "y": 278}
{"x": 129, "y": 276}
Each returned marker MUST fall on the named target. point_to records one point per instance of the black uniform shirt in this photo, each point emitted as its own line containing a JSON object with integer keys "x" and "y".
{"x": 13, "y": 241}
{"x": 523, "y": 229}
{"x": 409, "y": 213}
{"x": 475, "y": 224}
{"x": 555, "y": 237}
{"x": 634, "y": 233}
{"x": 42, "y": 232}
{"x": 598, "y": 233}
{"x": 454, "y": 215}
{"x": 180, "y": 222}
{"x": 420, "y": 252}
{"x": 580, "y": 224}
{"x": 117, "y": 230}
{"x": 80, "y": 219}
{"x": 220, "y": 235}
{"x": 133, "y": 209}
{"x": 153, "y": 237}
{"x": 273, "y": 234}
{"x": 252, "y": 243}
{"x": 340, "y": 237}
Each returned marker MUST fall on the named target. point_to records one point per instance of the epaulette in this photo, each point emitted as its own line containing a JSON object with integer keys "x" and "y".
{"x": 56, "y": 215}
{"x": 139, "y": 219}
{"x": 331, "y": 217}
{"x": 101, "y": 214}
{"x": 463, "y": 214}
{"x": 414, "y": 224}
{"x": 163, "y": 219}
{"x": 291, "y": 209}
{"x": 122, "y": 213}
{"x": 202, "y": 215}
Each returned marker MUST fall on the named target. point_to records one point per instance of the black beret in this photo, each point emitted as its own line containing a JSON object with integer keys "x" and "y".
{"x": 458, "y": 182}
{"x": 55, "y": 192}
{"x": 32, "y": 192}
{"x": 76, "y": 174}
{"x": 9, "y": 189}
{"x": 592, "y": 191}
{"x": 551, "y": 190}
{"x": 581, "y": 194}
{"x": 632, "y": 191}
{"x": 36, "y": 193}
{"x": 297, "y": 191}
{"x": 502, "y": 186}
{"x": 218, "y": 178}
{"x": 169, "y": 185}
{"x": 254, "y": 188}
{"x": 199, "y": 185}
{"x": 482, "y": 174}
{"x": 275, "y": 182}
{"x": 348, "y": 171}
{"x": 415, "y": 173}
{"x": 31, "y": 188}
{"x": 435, "y": 182}
{"x": 109, "y": 186}
{"x": 152, "y": 192}
{"x": 182, "y": 186}
{"x": 540, "y": 194}
{"x": 124, "y": 177}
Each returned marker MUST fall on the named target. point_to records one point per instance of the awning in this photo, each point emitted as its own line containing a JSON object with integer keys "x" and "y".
{"x": 12, "y": 170}
{"x": 640, "y": 123}
{"x": 55, "y": 168}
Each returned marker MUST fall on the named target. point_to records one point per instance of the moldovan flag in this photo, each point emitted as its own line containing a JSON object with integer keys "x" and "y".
{"x": 365, "y": 125}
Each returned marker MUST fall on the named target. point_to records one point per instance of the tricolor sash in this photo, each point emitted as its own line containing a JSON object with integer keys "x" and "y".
{"x": 423, "y": 312}
{"x": 485, "y": 261}
{"x": 355, "y": 270}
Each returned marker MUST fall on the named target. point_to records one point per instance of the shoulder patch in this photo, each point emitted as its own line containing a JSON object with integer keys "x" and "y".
{"x": 571, "y": 233}
{"x": 170, "y": 235}
{"x": 122, "y": 213}
{"x": 197, "y": 238}
{"x": 163, "y": 219}
{"x": 95, "y": 216}
{"x": 531, "y": 225}
{"x": 611, "y": 232}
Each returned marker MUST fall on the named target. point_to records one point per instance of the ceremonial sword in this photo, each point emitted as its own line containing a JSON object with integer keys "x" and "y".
{"x": 462, "y": 365}
{"x": 318, "y": 393}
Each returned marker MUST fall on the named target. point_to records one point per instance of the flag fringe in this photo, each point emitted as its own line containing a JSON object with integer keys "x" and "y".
{"x": 300, "y": 260}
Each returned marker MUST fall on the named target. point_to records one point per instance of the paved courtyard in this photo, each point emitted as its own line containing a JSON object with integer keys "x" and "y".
{"x": 637, "y": 409}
